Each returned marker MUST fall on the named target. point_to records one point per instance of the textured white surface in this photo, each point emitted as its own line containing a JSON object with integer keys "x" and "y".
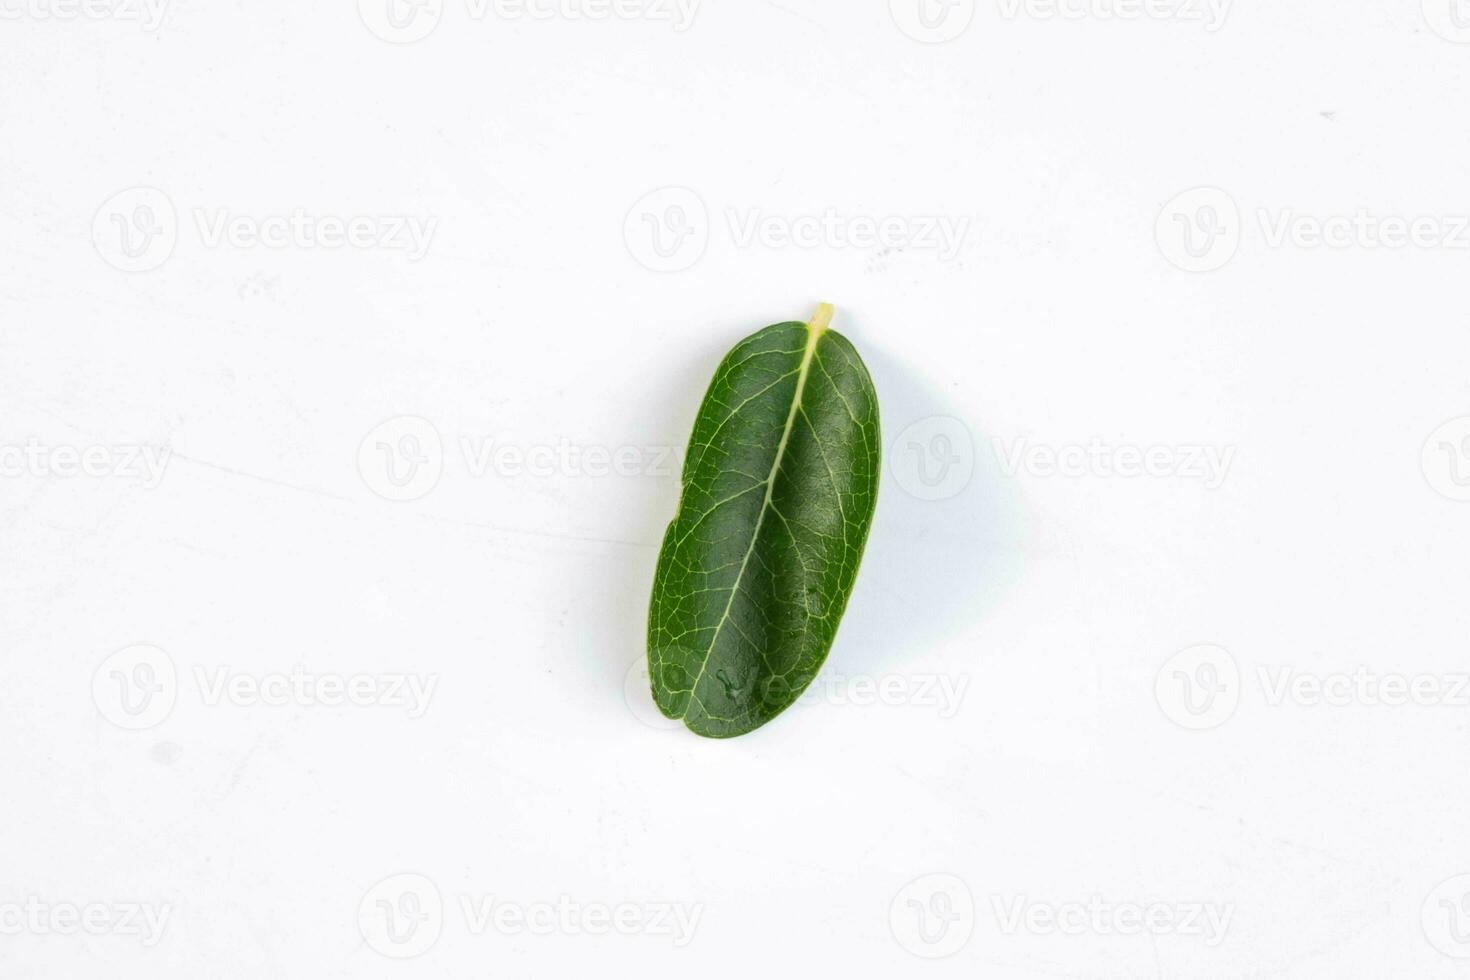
{"x": 1005, "y": 707}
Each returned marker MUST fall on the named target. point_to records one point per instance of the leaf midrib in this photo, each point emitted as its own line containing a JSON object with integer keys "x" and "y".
{"x": 815, "y": 329}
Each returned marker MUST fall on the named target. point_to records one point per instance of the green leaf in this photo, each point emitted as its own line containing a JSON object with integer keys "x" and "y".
{"x": 778, "y": 491}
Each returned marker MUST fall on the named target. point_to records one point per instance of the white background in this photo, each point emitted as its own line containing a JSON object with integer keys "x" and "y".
{"x": 1078, "y": 766}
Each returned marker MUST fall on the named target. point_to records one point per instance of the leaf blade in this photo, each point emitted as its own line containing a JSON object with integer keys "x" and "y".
{"x": 759, "y": 561}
